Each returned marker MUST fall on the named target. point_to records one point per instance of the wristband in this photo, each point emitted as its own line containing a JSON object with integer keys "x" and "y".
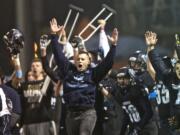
{"x": 152, "y": 95}
{"x": 19, "y": 74}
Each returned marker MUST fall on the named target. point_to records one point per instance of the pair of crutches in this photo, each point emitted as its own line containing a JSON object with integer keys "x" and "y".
{"x": 105, "y": 9}
{"x": 71, "y": 9}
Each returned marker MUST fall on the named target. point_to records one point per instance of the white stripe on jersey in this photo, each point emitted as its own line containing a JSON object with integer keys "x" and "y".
{"x": 4, "y": 110}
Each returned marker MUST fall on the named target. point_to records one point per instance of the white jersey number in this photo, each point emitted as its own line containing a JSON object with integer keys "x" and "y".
{"x": 163, "y": 94}
{"x": 132, "y": 112}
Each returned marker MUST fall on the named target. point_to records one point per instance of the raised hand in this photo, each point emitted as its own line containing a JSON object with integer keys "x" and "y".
{"x": 102, "y": 23}
{"x": 44, "y": 41}
{"x": 62, "y": 36}
{"x": 54, "y": 26}
{"x": 114, "y": 37}
{"x": 151, "y": 38}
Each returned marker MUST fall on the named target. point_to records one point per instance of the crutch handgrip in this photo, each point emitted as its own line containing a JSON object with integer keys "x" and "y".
{"x": 76, "y": 8}
{"x": 109, "y": 8}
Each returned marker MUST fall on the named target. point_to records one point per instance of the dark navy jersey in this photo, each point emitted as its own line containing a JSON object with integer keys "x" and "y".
{"x": 135, "y": 104}
{"x": 168, "y": 78}
{"x": 109, "y": 106}
{"x": 13, "y": 97}
{"x": 163, "y": 100}
{"x": 145, "y": 79}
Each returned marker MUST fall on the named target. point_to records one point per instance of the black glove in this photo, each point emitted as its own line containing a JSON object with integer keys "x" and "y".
{"x": 44, "y": 41}
{"x": 77, "y": 42}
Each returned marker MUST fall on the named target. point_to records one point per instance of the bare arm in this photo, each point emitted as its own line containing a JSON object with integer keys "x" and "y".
{"x": 17, "y": 75}
{"x": 151, "y": 40}
{"x": 156, "y": 60}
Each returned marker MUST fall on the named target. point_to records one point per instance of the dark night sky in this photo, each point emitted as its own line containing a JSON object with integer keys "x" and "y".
{"x": 59, "y": 9}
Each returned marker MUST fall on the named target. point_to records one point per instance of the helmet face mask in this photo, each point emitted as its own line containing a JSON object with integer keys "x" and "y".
{"x": 138, "y": 61}
{"x": 78, "y": 42}
{"x": 132, "y": 62}
{"x": 123, "y": 77}
{"x": 136, "y": 65}
{"x": 123, "y": 81}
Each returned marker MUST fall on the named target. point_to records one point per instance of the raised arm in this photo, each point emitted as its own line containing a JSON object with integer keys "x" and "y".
{"x": 18, "y": 74}
{"x": 103, "y": 41}
{"x": 57, "y": 47}
{"x": 150, "y": 41}
{"x": 45, "y": 63}
{"x": 102, "y": 69}
{"x": 44, "y": 42}
{"x": 156, "y": 61}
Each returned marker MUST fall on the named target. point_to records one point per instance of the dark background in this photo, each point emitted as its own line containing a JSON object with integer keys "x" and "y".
{"x": 133, "y": 18}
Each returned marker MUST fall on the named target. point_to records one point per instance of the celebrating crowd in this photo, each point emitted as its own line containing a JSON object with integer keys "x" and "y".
{"x": 77, "y": 91}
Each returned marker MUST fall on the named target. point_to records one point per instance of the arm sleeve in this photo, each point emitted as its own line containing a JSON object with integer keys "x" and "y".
{"x": 48, "y": 70}
{"x": 158, "y": 64}
{"x": 61, "y": 60}
{"x": 103, "y": 43}
{"x": 148, "y": 113}
{"x": 103, "y": 68}
{"x": 148, "y": 80}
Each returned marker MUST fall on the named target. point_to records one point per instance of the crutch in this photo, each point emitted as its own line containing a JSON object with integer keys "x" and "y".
{"x": 104, "y": 9}
{"x": 78, "y": 10}
{"x": 71, "y": 9}
{"x": 45, "y": 85}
